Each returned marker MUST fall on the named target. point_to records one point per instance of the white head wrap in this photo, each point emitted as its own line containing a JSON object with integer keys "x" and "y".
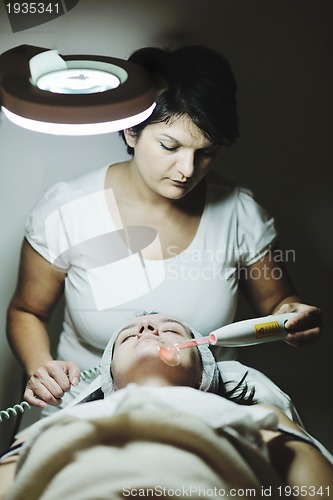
{"x": 210, "y": 371}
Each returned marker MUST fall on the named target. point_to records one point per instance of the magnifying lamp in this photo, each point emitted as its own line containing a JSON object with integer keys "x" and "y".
{"x": 74, "y": 94}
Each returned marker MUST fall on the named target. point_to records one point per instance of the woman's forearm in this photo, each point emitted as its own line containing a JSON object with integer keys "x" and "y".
{"x": 7, "y": 474}
{"x": 28, "y": 338}
{"x": 38, "y": 290}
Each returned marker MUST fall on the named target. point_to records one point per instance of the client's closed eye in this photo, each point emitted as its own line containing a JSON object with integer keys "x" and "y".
{"x": 172, "y": 326}
{"x": 176, "y": 332}
{"x": 128, "y": 337}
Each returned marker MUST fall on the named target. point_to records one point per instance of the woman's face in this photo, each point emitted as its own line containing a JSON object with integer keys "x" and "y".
{"x": 171, "y": 159}
{"x": 136, "y": 356}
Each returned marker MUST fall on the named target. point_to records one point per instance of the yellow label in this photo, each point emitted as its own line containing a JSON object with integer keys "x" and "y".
{"x": 269, "y": 329}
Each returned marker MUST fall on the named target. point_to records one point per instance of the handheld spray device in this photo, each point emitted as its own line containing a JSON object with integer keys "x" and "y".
{"x": 239, "y": 334}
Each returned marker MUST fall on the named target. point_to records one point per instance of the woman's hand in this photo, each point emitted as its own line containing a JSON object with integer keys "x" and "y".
{"x": 306, "y": 326}
{"x": 48, "y": 384}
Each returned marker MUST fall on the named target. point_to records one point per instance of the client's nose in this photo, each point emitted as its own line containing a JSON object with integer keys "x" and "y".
{"x": 147, "y": 327}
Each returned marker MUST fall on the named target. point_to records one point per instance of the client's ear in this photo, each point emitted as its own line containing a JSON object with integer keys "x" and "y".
{"x": 130, "y": 137}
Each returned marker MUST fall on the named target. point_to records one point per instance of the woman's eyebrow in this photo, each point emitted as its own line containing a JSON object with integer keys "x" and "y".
{"x": 170, "y": 138}
{"x": 172, "y": 320}
{"x": 209, "y": 147}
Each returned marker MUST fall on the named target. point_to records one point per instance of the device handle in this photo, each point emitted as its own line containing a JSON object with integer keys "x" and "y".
{"x": 253, "y": 331}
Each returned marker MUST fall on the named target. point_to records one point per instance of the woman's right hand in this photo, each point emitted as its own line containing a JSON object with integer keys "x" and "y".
{"x": 48, "y": 384}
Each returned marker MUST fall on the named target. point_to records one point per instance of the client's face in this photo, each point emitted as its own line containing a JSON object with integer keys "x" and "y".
{"x": 136, "y": 356}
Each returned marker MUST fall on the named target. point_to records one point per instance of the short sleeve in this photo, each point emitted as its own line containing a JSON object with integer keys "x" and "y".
{"x": 256, "y": 231}
{"x": 44, "y": 228}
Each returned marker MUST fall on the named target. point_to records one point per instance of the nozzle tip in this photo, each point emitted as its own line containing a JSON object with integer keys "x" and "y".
{"x": 212, "y": 338}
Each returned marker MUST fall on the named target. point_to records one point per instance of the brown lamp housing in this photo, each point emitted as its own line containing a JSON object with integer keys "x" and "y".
{"x": 70, "y": 111}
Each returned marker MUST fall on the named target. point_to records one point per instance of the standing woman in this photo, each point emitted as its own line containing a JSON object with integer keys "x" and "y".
{"x": 160, "y": 231}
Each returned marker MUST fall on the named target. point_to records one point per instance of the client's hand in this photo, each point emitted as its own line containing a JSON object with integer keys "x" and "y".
{"x": 306, "y": 326}
{"x": 48, "y": 384}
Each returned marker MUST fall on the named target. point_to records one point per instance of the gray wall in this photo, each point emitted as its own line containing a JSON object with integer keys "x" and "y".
{"x": 281, "y": 52}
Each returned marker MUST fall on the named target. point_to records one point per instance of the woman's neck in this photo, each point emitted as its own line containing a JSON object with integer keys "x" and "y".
{"x": 155, "y": 381}
{"x": 150, "y": 381}
{"x": 138, "y": 191}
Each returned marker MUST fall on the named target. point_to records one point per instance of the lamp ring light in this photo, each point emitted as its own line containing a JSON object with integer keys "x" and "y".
{"x": 74, "y": 94}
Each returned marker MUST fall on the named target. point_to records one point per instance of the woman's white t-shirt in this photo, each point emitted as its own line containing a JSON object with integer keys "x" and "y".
{"x": 76, "y": 226}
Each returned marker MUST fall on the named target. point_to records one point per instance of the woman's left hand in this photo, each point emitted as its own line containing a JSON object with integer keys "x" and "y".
{"x": 306, "y": 326}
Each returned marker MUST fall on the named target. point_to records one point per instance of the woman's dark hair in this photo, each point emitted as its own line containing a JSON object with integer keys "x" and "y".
{"x": 240, "y": 392}
{"x": 200, "y": 84}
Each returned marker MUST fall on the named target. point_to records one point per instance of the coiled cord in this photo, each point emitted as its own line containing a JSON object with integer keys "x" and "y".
{"x": 90, "y": 374}
{"x": 14, "y": 411}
